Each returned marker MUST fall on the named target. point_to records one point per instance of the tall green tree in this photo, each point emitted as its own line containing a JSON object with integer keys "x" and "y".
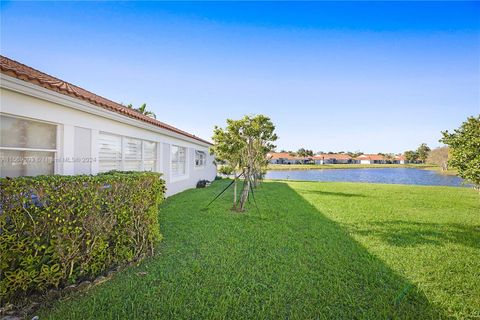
{"x": 422, "y": 152}
{"x": 464, "y": 145}
{"x": 411, "y": 156}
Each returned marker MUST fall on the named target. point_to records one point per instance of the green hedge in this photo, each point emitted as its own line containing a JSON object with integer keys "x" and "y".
{"x": 58, "y": 230}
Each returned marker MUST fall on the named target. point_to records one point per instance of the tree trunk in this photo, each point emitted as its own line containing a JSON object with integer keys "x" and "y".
{"x": 444, "y": 166}
{"x": 235, "y": 179}
{"x": 245, "y": 191}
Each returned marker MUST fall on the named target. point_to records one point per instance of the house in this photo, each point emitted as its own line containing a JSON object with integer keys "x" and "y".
{"x": 49, "y": 126}
{"x": 400, "y": 159}
{"x": 370, "y": 159}
{"x": 278, "y": 157}
{"x": 287, "y": 158}
{"x": 335, "y": 158}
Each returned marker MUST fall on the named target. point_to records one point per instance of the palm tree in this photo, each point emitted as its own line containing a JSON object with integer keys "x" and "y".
{"x": 143, "y": 110}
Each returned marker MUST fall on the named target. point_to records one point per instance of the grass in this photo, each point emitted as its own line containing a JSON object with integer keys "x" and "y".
{"x": 313, "y": 250}
{"x": 345, "y": 166}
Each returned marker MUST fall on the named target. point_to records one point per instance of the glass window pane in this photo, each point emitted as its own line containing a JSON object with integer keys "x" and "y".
{"x": 200, "y": 158}
{"x": 149, "y": 150}
{"x": 178, "y": 160}
{"x": 149, "y": 165}
{"x": 110, "y": 152}
{"x": 132, "y": 149}
{"x": 110, "y": 147}
{"x": 107, "y": 165}
{"x": 26, "y": 163}
{"x": 135, "y": 165}
{"x": 21, "y": 133}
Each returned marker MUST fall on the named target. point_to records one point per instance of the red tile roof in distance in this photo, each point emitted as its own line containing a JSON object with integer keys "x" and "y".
{"x": 284, "y": 155}
{"x": 20, "y": 71}
{"x": 338, "y": 156}
{"x": 371, "y": 157}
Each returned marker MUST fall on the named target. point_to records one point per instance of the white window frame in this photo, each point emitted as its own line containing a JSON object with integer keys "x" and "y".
{"x": 204, "y": 164}
{"x": 58, "y": 139}
{"x": 142, "y": 159}
{"x": 155, "y": 159}
{"x": 187, "y": 171}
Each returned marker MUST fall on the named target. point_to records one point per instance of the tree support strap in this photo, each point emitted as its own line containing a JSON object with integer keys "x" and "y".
{"x": 241, "y": 174}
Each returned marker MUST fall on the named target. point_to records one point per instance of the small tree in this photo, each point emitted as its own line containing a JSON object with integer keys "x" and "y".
{"x": 464, "y": 145}
{"x": 244, "y": 145}
{"x": 439, "y": 157}
{"x": 227, "y": 148}
{"x": 258, "y": 134}
{"x": 422, "y": 152}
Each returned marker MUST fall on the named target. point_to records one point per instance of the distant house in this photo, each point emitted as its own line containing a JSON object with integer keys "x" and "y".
{"x": 335, "y": 158}
{"x": 370, "y": 159}
{"x": 400, "y": 159}
{"x": 278, "y": 157}
{"x": 287, "y": 158}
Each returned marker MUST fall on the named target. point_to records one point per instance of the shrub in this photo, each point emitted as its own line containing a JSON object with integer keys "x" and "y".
{"x": 58, "y": 230}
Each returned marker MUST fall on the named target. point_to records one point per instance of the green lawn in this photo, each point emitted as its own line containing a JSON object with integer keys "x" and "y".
{"x": 346, "y": 166}
{"x": 312, "y": 251}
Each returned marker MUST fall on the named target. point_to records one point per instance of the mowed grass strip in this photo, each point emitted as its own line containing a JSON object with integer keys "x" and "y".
{"x": 312, "y": 251}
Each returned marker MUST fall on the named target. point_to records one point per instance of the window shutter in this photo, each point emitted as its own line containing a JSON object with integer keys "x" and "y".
{"x": 110, "y": 153}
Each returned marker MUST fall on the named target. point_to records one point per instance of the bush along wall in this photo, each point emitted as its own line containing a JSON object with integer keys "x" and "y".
{"x": 58, "y": 230}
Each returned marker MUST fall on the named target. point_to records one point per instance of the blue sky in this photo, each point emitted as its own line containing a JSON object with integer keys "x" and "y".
{"x": 375, "y": 77}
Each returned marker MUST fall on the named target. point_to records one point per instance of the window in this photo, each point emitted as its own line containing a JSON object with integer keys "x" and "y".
{"x": 124, "y": 153}
{"x": 132, "y": 153}
{"x": 110, "y": 153}
{"x": 27, "y": 148}
{"x": 200, "y": 158}
{"x": 149, "y": 155}
{"x": 179, "y": 160}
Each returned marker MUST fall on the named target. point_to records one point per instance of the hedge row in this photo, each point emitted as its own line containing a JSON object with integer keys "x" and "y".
{"x": 58, "y": 230}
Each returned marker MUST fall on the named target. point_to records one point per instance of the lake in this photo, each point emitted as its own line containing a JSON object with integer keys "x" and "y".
{"x": 371, "y": 175}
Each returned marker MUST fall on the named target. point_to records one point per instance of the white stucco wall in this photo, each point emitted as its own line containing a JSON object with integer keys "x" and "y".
{"x": 75, "y": 117}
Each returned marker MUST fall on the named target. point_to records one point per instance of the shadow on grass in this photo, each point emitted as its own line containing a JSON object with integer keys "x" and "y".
{"x": 328, "y": 193}
{"x": 349, "y": 281}
{"x": 407, "y": 233}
